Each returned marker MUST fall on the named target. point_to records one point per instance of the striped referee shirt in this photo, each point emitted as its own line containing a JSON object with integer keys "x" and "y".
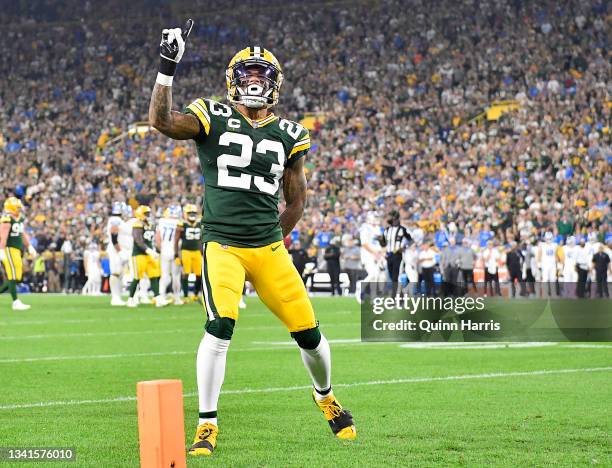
{"x": 396, "y": 238}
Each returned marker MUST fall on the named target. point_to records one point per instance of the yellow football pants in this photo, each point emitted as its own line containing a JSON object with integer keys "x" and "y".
{"x": 192, "y": 262}
{"x": 13, "y": 265}
{"x": 145, "y": 265}
{"x": 272, "y": 273}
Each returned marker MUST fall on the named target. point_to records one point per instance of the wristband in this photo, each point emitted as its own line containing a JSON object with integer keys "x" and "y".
{"x": 164, "y": 80}
{"x": 167, "y": 66}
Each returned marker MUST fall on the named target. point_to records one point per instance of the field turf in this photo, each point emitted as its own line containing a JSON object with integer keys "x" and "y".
{"x": 69, "y": 367}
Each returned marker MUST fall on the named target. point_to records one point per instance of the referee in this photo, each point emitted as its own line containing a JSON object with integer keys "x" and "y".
{"x": 395, "y": 238}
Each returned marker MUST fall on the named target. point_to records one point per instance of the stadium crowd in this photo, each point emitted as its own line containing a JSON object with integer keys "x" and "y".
{"x": 399, "y": 104}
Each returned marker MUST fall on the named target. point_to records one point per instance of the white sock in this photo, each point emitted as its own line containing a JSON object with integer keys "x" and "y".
{"x": 318, "y": 364}
{"x": 210, "y": 365}
{"x": 115, "y": 286}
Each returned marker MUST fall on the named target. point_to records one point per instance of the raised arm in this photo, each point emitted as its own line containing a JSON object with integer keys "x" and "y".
{"x": 294, "y": 191}
{"x": 161, "y": 116}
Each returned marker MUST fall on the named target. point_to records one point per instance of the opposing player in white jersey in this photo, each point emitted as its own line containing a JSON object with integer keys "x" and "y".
{"x": 372, "y": 256}
{"x": 125, "y": 239}
{"x": 168, "y": 235}
{"x": 113, "y": 250}
{"x": 547, "y": 259}
{"x": 93, "y": 270}
{"x": 568, "y": 256}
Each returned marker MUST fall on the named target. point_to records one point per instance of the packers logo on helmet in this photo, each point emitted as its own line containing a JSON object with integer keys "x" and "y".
{"x": 191, "y": 212}
{"x": 143, "y": 212}
{"x": 254, "y": 78}
{"x": 12, "y": 205}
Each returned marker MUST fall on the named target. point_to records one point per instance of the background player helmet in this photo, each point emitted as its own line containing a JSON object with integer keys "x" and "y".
{"x": 174, "y": 211}
{"x": 127, "y": 210}
{"x": 571, "y": 240}
{"x": 246, "y": 63}
{"x": 143, "y": 212}
{"x": 548, "y": 236}
{"x": 372, "y": 218}
{"x": 117, "y": 208}
{"x": 12, "y": 205}
{"x": 190, "y": 212}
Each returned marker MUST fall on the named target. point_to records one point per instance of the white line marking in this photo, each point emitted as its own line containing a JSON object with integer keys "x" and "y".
{"x": 243, "y": 316}
{"x": 472, "y": 345}
{"x": 160, "y": 353}
{"x": 584, "y": 345}
{"x": 199, "y": 329}
{"x": 242, "y": 391}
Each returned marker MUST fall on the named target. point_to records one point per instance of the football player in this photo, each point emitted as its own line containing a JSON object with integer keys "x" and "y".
{"x": 145, "y": 259}
{"x": 372, "y": 254}
{"x": 547, "y": 259}
{"x": 246, "y": 154}
{"x": 12, "y": 241}
{"x": 113, "y": 249}
{"x": 93, "y": 270}
{"x": 167, "y": 235}
{"x": 191, "y": 249}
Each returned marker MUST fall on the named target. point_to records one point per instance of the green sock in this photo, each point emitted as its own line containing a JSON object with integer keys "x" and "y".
{"x": 133, "y": 287}
{"x": 12, "y": 287}
{"x": 155, "y": 286}
{"x": 185, "y": 283}
{"x": 198, "y": 285}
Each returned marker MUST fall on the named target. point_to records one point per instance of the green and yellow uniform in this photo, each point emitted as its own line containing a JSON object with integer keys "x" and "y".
{"x": 191, "y": 247}
{"x": 242, "y": 162}
{"x": 143, "y": 263}
{"x": 13, "y": 264}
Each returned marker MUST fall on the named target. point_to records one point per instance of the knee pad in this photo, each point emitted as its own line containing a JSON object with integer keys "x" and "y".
{"x": 307, "y": 339}
{"x": 222, "y": 328}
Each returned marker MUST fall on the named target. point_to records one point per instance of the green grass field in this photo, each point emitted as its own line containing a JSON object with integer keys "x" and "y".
{"x": 69, "y": 367}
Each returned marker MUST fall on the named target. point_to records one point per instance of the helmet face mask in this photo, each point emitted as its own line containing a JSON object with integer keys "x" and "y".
{"x": 190, "y": 213}
{"x": 254, "y": 78}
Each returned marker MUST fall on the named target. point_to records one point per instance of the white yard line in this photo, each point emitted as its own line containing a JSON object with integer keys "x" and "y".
{"x": 288, "y": 346}
{"x": 242, "y": 391}
{"x": 199, "y": 329}
{"x": 244, "y": 315}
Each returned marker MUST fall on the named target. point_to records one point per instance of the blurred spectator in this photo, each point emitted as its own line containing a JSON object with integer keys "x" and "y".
{"x": 601, "y": 261}
{"x": 332, "y": 259}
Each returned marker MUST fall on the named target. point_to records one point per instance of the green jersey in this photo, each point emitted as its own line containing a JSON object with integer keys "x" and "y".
{"x": 191, "y": 235}
{"x": 242, "y": 162}
{"x": 15, "y": 235}
{"x": 148, "y": 236}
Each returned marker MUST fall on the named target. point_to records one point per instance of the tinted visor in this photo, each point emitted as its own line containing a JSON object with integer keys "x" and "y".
{"x": 265, "y": 71}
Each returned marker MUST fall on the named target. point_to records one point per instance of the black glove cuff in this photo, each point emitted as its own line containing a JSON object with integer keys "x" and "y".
{"x": 167, "y": 67}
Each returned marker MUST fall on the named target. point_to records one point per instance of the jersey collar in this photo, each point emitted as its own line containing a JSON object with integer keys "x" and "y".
{"x": 258, "y": 123}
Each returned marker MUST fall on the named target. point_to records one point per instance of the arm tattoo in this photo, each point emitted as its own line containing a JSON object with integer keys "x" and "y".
{"x": 171, "y": 123}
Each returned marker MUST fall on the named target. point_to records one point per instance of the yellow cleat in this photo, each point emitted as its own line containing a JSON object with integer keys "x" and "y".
{"x": 339, "y": 419}
{"x": 205, "y": 440}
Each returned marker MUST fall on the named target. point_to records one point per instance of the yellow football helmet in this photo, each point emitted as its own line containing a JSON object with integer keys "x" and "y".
{"x": 190, "y": 212}
{"x": 13, "y": 205}
{"x": 143, "y": 212}
{"x": 249, "y": 63}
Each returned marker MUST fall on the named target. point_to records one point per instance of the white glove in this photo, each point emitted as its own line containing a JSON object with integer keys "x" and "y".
{"x": 172, "y": 46}
{"x": 152, "y": 253}
{"x": 2, "y": 255}
{"x": 171, "y": 50}
{"x": 32, "y": 250}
